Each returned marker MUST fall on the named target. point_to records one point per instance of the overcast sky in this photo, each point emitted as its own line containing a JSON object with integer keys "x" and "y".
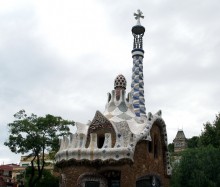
{"x": 61, "y": 58}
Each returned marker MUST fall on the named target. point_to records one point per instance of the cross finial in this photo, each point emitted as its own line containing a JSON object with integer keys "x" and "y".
{"x": 138, "y": 15}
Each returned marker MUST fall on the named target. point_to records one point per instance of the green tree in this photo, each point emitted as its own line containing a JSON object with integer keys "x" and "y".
{"x": 199, "y": 164}
{"x": 47, "y": 180}
{"x": 211, "y": 133}
{"x": 197, "y": 167}
{"x": 36, "y": 135}
{"x": 193, "y": 142}
{"x": 171, "y": 147}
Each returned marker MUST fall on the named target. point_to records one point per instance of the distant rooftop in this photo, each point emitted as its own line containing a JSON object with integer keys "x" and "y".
{"x": 180, "y": 135}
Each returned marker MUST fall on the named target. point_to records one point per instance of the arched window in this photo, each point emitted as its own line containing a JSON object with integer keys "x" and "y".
{"x": 155, "y": 146}
{"x": 100, "y": 140}
{"x": 144, "y": 183}
{"x": 92, "y": 180}
{"x": 92, "y": 184}
{"x": 150, "y": 146}
{"x": 148, "y": 181}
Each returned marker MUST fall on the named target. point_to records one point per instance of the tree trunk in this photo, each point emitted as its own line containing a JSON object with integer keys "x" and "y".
{"x": 39, "y": 168}
{"x": 30, "y": 182}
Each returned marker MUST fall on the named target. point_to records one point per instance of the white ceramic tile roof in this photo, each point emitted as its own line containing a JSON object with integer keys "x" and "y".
{"x": 128, "y": 128}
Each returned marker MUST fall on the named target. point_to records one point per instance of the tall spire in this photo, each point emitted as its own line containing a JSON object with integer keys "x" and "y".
{"x": 137, "y": 85}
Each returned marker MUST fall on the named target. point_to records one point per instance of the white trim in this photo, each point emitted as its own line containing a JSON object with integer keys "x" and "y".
{"x": 137, "y": 53}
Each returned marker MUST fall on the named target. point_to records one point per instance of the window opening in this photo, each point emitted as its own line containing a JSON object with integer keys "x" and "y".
{"x": 150, "y": 146}
{"x": 92, "y": 184}
{"x": 155, "y": 147}
{"x": 113, "y": 178}
{"x": 144, "y": 183}
{"x": 115, "y": 183}
{"x": 101, "y": 140}
{"x": 148, "y": 181}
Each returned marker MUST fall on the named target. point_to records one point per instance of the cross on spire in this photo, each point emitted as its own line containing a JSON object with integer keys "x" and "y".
{"x": 138, "y": 15}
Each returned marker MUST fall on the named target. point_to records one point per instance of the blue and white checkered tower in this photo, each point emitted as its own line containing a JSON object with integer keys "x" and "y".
{"x": 137, "y": 85}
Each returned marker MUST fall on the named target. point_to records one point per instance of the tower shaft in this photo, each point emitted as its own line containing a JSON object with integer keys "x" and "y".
{"x": 137, "y": 85}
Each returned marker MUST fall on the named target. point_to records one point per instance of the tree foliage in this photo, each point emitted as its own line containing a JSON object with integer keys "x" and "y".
{"x": 193, "y": 142}
{"x": 198, "y": 167}
{"x": 36, "y": 135}
{"x": 171, "y": 147}
{"x": 47, "y": 180}
{"x": 211, "y": 133}
{"x": 200, "y": 163}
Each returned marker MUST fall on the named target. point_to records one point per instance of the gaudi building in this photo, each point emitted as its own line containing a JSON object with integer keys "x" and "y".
{"x": 122, "y": 146}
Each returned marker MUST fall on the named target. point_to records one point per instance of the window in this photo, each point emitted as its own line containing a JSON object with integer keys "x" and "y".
{"x": 25, "y": 165}
{"x": 148, "y": 181}
{"x": 92, "y": 184}
{"x": 150, "y": 146}
{"x": 113, "y": 177}
{"x": 144, "y": 183}
{"x": 155, "y": 147}
{"x": 10, "y": 173}
{"x": 101, "y": 140}
{"x": 115, "y": 183}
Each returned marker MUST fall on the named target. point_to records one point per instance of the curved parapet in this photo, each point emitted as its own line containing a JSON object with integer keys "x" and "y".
{"x": 106, "y": 152}
{"x": 114, "y": 134}
{"x": 74, "y": 147}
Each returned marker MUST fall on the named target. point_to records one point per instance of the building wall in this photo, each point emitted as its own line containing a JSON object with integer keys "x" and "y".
{"x": 145, "y": 163}
{"x": 180, "y": 142}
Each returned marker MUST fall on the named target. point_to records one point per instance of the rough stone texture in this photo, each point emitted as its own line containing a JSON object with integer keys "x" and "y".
{"x": 144, "y": 164}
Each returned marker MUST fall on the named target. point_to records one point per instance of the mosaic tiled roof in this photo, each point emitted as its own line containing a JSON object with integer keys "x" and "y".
{"x": 120, "y": 117}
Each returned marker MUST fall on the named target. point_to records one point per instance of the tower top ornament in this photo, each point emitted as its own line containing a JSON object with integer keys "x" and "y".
{"x": 138, "y": 15}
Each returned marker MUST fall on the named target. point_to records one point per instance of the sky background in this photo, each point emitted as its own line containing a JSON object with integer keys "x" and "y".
{"x": 61, "y": 58}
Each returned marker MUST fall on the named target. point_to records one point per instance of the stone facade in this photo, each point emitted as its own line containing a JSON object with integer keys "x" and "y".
{"x": 180, "y": 141}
